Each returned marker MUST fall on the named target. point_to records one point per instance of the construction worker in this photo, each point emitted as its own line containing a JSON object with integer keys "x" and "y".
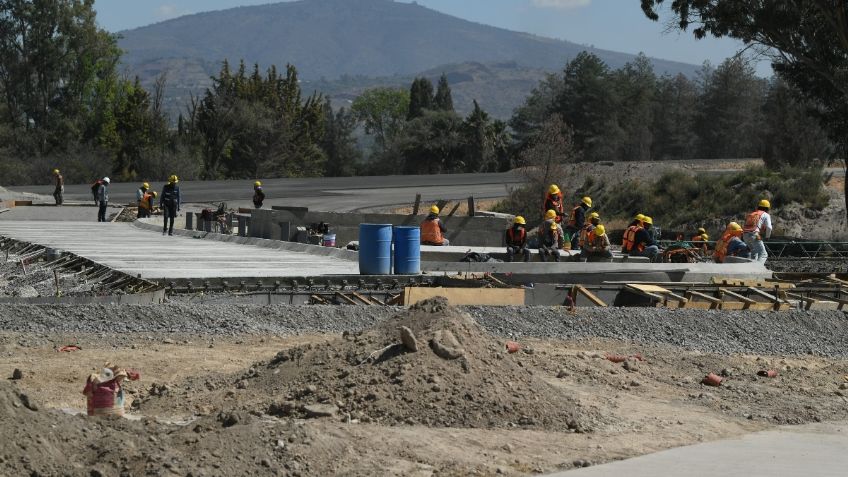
{"x": 102, "y": 198}
{"x": 757, "y": 228}
{"x": 554, "y": 201}
{"x": 644, "y": 244}
{"x": 59, "y": 191}
{"x": 139, "y": 193}
{"x": 550, "y": 218}
{"x": 592, "y": 221}
{"x": 169, "y": 202}
{"x": 576, "y": 221}
{"x": 730, "y": 244}
{"x": 433, "y": 231}
{"x": 145, "y": 205}
{"x": 629, "y": 235}
{"x": 597, "y": 245}
{"x": 550, "y": 243}
{"x": 700, "y": 240}
{"x": 258, "y": 195}
{"x": 516, "y": 240}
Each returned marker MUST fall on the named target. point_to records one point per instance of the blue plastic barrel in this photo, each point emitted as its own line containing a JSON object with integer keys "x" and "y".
{"x": 375, "y": 249}
{"x": 407, "y": 250}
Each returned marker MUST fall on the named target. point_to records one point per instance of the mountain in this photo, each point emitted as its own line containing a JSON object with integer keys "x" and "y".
{"x": 331, "y": 39}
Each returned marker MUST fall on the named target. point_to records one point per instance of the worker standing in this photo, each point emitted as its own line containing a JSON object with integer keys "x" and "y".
{"x": 596, "y": 246}
{"x": 757, "y": 228}
{"x": 102, "y": 198}
{"x": 576, "y": 221}
{"x": 730, "y": 244}
{"x": 170, "y": 201}
{"x": 258, "y": 195}
{"x": 433, "y": 230}
{"x": 554, "y": 201}
{"x": 145, "y": 205}
{"x": 59, "y": 191}
{"x": 550, "y": 243}
{"x": 516, "y": 240}
{"x": 139, "y": 193}
{"x": 644, "y": 244}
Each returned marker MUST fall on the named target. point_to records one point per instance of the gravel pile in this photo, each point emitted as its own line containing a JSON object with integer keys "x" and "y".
{"x": 822, "y": 333}
{"x": 800, "y": 265}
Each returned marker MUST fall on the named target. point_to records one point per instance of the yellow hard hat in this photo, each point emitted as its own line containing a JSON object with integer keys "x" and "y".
{"x": 765, "y": 203}
{"x": 640, "y": 217}
{"x": 173, "y": 179}
{"x": 257, "y": 184}
{"x": 550, "y": 214}
{"x": 56, "y": 171}
{"x": 648, "y": 220}
{"x": 554, "y": 226}
{"x": 434, "y": 209}
{"x": 734, "y": 226}
{"x": 145, "y": 185}
{"x": 594, "y": 215}
{"x": 519, "y": 220}
{"x": 705, "y": 237}
{"x": 588, "y": 201}
{"x": 600, "y": 231}
{"x": 702, "y": 231}
{"x": 155, "y": 194}
{"x": 553, "y": 189}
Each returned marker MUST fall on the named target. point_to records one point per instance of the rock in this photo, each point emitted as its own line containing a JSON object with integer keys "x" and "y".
{"x": 320, "y": 410}
{"x": 631, "y": 365}
{"x": 635, "y": 384}
{"x": 265, "y": 463}
{"x": 407, "y": 337}
{"x": 168, "y": 341}
{"x": 726, "y": 372}
{"x": 229, "y": 419}
{"x": 28, "y": 403}
{"x": 281, "y": 409}
{"x": 17, "y": 374}
{"x": 842, "y": 386}
{"x": 446, "y": 346}
{"x": 281, "y": 444}
{"x": 310, "y": 389}
{"x": 563, "y": 374}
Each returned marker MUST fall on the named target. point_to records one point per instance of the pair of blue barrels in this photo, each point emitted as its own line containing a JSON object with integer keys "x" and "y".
{"x": 375, "y": 249}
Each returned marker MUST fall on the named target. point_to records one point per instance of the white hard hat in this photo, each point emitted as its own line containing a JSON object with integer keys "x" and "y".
{"x": 106, "y": 180}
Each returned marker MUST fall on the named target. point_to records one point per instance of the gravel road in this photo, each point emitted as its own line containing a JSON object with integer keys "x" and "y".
{"x": 787, "y": 333}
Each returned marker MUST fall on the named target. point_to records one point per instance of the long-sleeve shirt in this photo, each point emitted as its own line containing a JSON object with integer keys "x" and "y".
{"x": 139, "y": 194}
{"x": 552, "y": 239}
{"x": 515, "y": 237}
{"x": 644, "y": 237}
{"x": 102, "y": 193}
{"x": 599, "y": 244}
{"x": 764, "y": 225}
{"x": 170, "y": 196}
{"x": 736, "y": 246}
{"x": 579, "y": 218}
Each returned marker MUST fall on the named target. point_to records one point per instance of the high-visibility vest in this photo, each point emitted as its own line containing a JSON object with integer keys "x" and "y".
{"x": 753, "y": 221}
{"x": 721, "y": 246}
{"x": 586, "y": 234}
{"x": 629, "y": 240}
{"x": 553, "y": 202}
{"x": 430, "y": 232}
{"x": 513, "y": 239}
{"x": 145, "y": 201}
{"x": 572, "y": 219}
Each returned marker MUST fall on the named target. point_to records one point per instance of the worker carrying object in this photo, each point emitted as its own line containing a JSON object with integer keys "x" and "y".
{"x": 550, "y": 242}
{"x": 516, "y": 240}
{"x": 170, "y": 201}
{"x": 433, "y": 231}
{"x": 576, "y": 221}
{"x": 146, "y": 205}
{"x": 101, "y": 197}
{"x": 757, "y": 228}
{"x": 139, "y": 193}
{"x": 104, "y": 392}
{"x": 59, "y": 190}
{"x": 554, "y": 201}
{"x": 730, "y": 244}
{"x": 592, "y": 221}
{"x": 258, "y": 195}
{"x": 597, "y": 245}
{"x": 642, "y": 243}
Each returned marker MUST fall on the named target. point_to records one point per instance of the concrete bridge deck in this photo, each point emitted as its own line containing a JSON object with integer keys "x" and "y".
{"x": 152, "y": 255}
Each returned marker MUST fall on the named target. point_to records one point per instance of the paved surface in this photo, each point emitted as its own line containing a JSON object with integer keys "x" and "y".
{"x": 67, "y": 213}
{"x": 328, "y": 194}
{"x": 135, "y": 251}
{"x": 811, "y": 451}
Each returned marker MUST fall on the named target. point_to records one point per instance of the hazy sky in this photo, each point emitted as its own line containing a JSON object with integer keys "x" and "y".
{"x": 617, "y": 25}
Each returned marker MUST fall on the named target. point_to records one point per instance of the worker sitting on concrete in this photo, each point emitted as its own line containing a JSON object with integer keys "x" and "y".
{"x": 550, "y": 243}
{"x": 731, "y": 244}
{"x": 700, "y": 240}
{"x": 139, "y": 193}
{"x": 644, "y": 244}
{"x": 516, "y": 240}
{"x": 592, "y": 221}
{"x": 757, "y": 228}
{"x": 170, "y": 202}
{"x": 629, "y": 235}
{"x": 554, "y": 201}
{"x": 145, "y": 205}
{"x": 258, "y": 195}
{"x": 433, "y": 231}
{"x": 597, "y": 246}
{"x": 576, "y": 221}
{"x": 59, "y": 191}
{"x": 550, "y": 218}
{"x": 102, "y": 198}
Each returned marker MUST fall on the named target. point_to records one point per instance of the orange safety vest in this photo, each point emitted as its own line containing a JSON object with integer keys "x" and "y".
{"x": 629, "y": 240}
{"x": 721, "y": 246}
{"x": 431, "y": 233}
{"x": 513, "y": 239}
{"x": 586, "y": 234}
{"x": 572, "y": 219}
{"x": 752, "y": 221}
{"x": 145, "y": 201}
{"x": 556, "y": 205}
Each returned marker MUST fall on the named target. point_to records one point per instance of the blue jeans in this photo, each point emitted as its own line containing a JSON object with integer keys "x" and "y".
{"x": 758, "y": 248}
{"x": 650, "y": 251}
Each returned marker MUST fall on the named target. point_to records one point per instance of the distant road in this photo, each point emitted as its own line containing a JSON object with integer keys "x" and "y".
{"x": 327, "y": 194}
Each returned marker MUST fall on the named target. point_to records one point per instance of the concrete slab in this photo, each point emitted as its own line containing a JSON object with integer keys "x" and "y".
{"x": 812, "y": 451}
{"x": 153, "y": 256}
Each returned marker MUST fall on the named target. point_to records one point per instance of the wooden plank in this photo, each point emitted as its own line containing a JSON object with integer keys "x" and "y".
{"x": 472, "y": 210}
{"x": 363, "y": 299}
{"x": 648, "y": 288}
{"x": 692, "y": 293}
{"x": 454, "y": 209}
{"x": 746, "y": 283}
{"x": 395, "y": 300}
{"x": 376, "y": 300}
{"x": 743, "y": 299}
{"x": 319, "y": 299}
{"x": 417, "y": 206}
{"x": 639, "y": 291}
{"x": 346, "y": 298}
{"x": 467, "y": 296}
{"x": 591, "y": 296}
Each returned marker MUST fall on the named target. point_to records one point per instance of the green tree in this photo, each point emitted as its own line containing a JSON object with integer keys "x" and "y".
{"x": 635, "y": 85}
{"x": 443, "y": 101}
{"x": 792, "y": 135}
{"x": 433, "y": 144}
{"x": 486, "y": 142}
{"x": 339, "y": 144}
{"x": 420, "y": 98}
{"x": 383, "y": 112}
{"x": 537, "y": 108}
{"x": 675, "y": 104}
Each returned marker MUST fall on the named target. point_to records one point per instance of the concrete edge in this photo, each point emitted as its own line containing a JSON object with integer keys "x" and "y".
{"x": 342, "y": 254}
{"x": 148, "y": 298}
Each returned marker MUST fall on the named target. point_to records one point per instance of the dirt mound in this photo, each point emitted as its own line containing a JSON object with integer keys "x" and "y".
{"x": 460, "y": 376}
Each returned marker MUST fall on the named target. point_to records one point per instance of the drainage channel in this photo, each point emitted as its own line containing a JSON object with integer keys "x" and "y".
{"x": 71, "y": 279}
